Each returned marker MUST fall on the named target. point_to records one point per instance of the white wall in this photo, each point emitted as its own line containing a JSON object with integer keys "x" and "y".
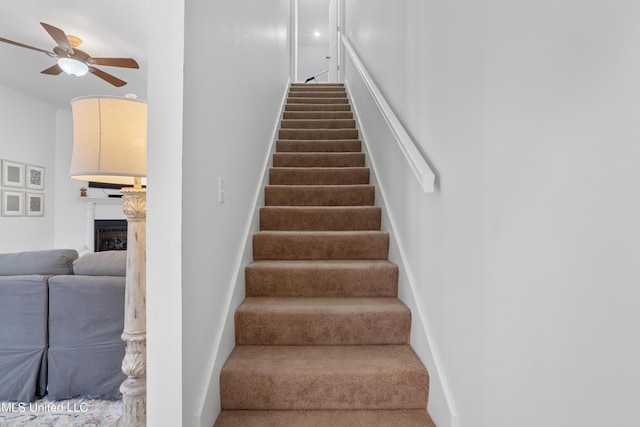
{"x": 313, "y": 16}
{"x": 236, "y": 72}
{"x": 526, "y": 256}
{"x": 164, "y": 216}
{"x": 28, "y": 135}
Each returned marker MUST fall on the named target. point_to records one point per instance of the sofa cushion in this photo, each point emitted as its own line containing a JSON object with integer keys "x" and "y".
{"x": 106, "y": 263}
{"x": 50, "y": 261}
{"x": 86, "y": 320}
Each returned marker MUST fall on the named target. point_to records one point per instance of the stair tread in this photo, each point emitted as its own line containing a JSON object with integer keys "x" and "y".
{"x": 317, "y": 93}
{"x": 322, "y": 233}
{"x": 316, "y": 245}
{"x": 328, "y": 159}
{"x": 324, "y": 360}
{"x": 316, "y": 107}
{"x": 318, "y": 100}
{"x": 317, "y": 134}
{"x": 322, "y": 278}
{"x": 317, "y": 115}
{"x": 322, "y": 418}
{"x": 319, "y": 146}
{"x": 320, "y": 195}
{"x": 321, "y": 305}
{"x": 318, "y": 175}
{"x": 322, "y": 321}
{"x": 320, "y": 218}
{"x": 330, "y": 265}
{"x": 318, "y": 124}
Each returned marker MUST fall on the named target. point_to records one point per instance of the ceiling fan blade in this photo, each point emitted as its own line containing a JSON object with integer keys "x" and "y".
{"x": 59, "y": 36}
{"x": 51, "y": 54}
{"x": 107, "y": 77}
{"x": 115, "y": 62}
{"x": 53, "y": 70}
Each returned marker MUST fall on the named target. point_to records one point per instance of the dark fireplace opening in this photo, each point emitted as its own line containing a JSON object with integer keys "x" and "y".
{"x": 110, "y": 235}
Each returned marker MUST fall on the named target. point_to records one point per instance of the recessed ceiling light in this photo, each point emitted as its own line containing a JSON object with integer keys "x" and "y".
{"x": 316, "y": 34}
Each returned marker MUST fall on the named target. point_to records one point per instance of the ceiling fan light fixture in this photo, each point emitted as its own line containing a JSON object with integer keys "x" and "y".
{"x": 73, "y": 67}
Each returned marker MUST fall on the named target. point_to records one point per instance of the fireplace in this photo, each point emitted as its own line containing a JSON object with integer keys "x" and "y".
{"x": 110, "y": 235}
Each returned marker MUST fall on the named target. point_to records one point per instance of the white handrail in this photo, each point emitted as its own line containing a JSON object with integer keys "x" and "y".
{"x": 418, "y": 164}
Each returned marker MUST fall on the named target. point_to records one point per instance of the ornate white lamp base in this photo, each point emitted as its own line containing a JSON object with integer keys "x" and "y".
{"x": 134, "y": 365}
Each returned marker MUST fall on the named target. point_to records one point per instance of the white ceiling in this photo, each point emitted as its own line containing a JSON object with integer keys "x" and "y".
{"x": 113, "y": 28}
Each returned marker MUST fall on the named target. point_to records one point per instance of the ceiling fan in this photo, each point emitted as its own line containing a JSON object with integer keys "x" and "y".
{"x": 74, "y": 61}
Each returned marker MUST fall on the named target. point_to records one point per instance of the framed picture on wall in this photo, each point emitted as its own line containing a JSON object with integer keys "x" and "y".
{"x": 12, "y": 174}
{"x": 35, "y": 204}
{"x": 12, "y": 203}
{"x": 35, "y": 177}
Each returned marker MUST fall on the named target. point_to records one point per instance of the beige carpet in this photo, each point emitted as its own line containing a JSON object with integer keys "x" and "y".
{"x": 321, "y": 337}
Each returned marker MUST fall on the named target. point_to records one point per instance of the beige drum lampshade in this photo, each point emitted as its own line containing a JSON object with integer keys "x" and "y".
{"x": 109, "y": 139}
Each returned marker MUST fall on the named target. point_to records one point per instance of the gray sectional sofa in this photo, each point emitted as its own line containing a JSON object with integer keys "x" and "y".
{"x": 61, "y": 317}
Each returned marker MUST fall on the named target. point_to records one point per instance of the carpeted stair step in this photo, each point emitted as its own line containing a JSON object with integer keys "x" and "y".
{"x": 335, "y": 160}
{"x": 316, "y": 94}
{"x": 305, "y": 115}
{"x": 318, "y": 176}
{"x": 317, "y": 134}
{"x": 376, "y": 278}
{"x": 320, "y": 218}
{"x": 323, "y": 418}
{"x": 323, "y": 377}
{"x": 320, "y": 245}
{"x": 321, "y": 337}
{"x": 318, "y": 124}
{"x": 322, "y": 321}
{"x": 317, "y": 107}
{"x": 317, "y": 87}
{"x": 326, "y": 146}
{"x": 319, "y": 195}
{"x": 318, "y": 100}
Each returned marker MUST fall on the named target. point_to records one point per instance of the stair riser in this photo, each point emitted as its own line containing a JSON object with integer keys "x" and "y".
{"x": 308, "y": 100}
{"x": 284, "y": 384}
{"x": 317, "y": 94}
{"x": 318, "y": 176}
{"x": 372, "y": 418}
{"x": 317, "y": 134}
{"x": 317, "y": 115}
{"x": 320, "y": 246}
{"x": 401, "y": 390}
{"x": 317, "y": 87}
{"x": 281, "y": 160}
{"x": 317, "y": 281}
{"x": 317, "y": 107}
{"x": 322, "y": 328}
{"x": 295, "y": 195}
{"x": 297, "y": 146}
{"x": 319, "y": 219}
{"x": 318, "y": 124}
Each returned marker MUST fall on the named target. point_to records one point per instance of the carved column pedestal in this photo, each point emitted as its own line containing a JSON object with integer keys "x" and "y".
{"x": 134, "y": 365}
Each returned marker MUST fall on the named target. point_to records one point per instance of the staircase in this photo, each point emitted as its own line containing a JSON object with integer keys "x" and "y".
{"x": 321, "y": 339}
